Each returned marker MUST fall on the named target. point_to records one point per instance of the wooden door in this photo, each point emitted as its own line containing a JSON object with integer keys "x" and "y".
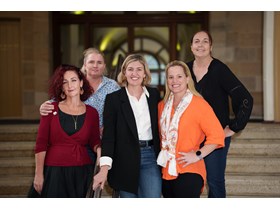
{"x": 10, "y": 73}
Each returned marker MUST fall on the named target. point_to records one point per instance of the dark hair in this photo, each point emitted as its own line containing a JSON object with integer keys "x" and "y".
{"x": 208, "y": 34}
{"x": 56, "y": 82}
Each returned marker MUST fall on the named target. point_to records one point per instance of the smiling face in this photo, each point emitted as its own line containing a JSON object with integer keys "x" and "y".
{"x": 135, "y": 73}
{"x": 71, "y": 84}
{"x": 201, "y": 45}
{"x": 177, "y": 80}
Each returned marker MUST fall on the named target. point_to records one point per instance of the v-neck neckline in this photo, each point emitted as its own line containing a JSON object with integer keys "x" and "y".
{"x": 205, "y": 75}
{"x": 64, "y": 133}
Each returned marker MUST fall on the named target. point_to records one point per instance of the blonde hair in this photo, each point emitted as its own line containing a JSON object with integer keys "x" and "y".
{"x": 122, "y": 80}
{"x": 187, "y": 72}
{"x": 89, "y": 51}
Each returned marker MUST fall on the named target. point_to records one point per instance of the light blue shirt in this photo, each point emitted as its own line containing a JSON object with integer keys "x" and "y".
{"x": 97, "y": 99}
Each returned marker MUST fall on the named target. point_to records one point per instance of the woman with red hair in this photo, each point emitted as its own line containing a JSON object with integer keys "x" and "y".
{"x": 63, "y": 166}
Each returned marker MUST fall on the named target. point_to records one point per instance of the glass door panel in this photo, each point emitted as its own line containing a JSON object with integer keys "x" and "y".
{"x": 72, "y": 44}
{"x": 153, "y": 43}
{"x": 110, "y": 41}
{"x": 185, "y": 33}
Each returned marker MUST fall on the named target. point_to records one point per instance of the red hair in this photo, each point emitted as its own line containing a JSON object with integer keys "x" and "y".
{"x": 56, "y": 82}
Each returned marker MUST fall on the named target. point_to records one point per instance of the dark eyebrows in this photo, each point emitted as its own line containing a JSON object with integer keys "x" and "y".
{"x": 206, "y": 38}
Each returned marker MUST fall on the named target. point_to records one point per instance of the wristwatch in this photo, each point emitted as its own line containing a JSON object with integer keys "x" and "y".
{"x": 198, "y": 154}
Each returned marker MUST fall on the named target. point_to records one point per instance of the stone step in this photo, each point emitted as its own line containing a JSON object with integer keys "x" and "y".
{"x": 18, "y": 137}
{"x": 256, "y": 165}
{"x": 250, "y": 186}
{"x": 19, "y": 185}
{"x": 15, "y": 185}
{"x": 17, "y": 180}
{"x": 245, "y": 147}
{"x": 17, "y": 149}
{"x": 269, "y": 149}
{"x": 269, "y": 165}
{"x": 251, "y": 131}
{"x": 18, "y": 128}
{"x": 260, "y": 131}
{"x": 253, "y": 167}
{"x": 20, "y": 132}
{"x": 21, "y": 166}
{"x": 253, "y": 186}
{"x": 16, "y": 153}
{"x": 237, "y": 185}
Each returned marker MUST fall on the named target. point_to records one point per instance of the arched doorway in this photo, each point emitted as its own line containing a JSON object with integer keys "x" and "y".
{"x": 159, "y": 36}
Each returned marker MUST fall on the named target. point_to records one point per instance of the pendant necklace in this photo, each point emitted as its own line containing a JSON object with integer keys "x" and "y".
{"x": 75, "y": 121}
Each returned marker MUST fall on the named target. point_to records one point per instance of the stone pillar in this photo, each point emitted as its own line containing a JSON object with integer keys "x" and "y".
{"x": 268, "y": 57}
{"x": 277, "y": 66}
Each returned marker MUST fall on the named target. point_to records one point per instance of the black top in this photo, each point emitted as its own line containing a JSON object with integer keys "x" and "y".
{"x": 219, "y": 83}
{"x": 68, "y": 121}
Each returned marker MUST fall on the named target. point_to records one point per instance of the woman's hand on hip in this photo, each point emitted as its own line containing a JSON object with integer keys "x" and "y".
{"x": 187, "y": 158}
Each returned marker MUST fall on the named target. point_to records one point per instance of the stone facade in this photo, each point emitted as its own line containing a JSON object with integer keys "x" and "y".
{"x": 36, "y": 48}
{"x": 237, "y": 42}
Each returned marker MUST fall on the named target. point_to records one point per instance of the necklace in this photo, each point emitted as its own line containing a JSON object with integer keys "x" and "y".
{"x": 75, "y": 121}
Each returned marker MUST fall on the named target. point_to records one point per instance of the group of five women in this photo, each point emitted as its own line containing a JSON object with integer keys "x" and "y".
{"x": 145, "y": 147}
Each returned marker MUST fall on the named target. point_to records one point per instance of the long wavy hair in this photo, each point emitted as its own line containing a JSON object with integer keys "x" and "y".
{"x": 56, "y": 83}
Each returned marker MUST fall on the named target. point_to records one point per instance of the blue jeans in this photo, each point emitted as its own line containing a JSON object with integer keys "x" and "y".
{"x": 216, "y": 166}
{"x": 150, "y": 176}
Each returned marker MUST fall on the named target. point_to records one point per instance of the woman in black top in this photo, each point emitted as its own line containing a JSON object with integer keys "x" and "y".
{"x": 216, "y": 83}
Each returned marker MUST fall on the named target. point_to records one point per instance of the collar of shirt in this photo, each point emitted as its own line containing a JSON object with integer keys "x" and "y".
{"x": 144, "y": 89}
{"x": 103, "y": 82}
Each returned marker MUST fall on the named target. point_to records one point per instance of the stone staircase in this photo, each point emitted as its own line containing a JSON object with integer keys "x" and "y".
{"x": 16, "y": 159}
{"x": 253, "y": 168}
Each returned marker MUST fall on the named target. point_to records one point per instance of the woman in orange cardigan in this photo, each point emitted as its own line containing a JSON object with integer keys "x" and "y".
{"x": 185, "y": 120}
